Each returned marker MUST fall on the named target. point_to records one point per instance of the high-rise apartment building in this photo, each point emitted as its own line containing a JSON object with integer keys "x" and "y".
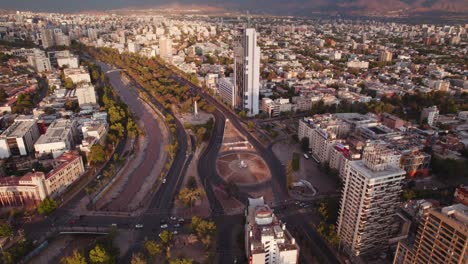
{"x": 385, "y": 56}
{"x": 165, "y": 49}
{"x": 247, "y": 72}
{"x": 371, "y": 192}
{"x": 442, "y": 237}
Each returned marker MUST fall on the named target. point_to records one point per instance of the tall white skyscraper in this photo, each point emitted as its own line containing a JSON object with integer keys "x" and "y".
{"x": 371, "y": 192}
{"x": 247, "y": 72}
{"x": 165, "y": 49}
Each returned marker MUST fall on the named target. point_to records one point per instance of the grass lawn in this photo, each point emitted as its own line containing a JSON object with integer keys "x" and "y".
{"x": 296, "y": 158}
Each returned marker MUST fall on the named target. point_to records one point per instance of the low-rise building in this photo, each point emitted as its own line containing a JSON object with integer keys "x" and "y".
{"x": 19, "y": 138}
{"x": 77, "y": 75}
{"x": 30, "y": 189}
{"x": 86, "y": 94}
{"x": 59, "y": 137}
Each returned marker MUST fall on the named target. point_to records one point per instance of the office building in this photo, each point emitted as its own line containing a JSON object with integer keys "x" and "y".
{"x": 442, "y": 237}
{"x": 226, "y": 90}
{"x": 247, "y": 72}
{"x": 275, "y": 107}
{"x": 19, "y": 138}
{"x": 165, "y": 49}
{"x": 86, "y": 94}
{"x": 266, "y": 239}
{"x": 59, "y": 137}
{"x": 370, "y": 196}
{"x": 429, "y": 115}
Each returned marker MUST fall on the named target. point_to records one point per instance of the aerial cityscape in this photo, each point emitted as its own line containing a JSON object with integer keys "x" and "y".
{"x": 327, "y": 131}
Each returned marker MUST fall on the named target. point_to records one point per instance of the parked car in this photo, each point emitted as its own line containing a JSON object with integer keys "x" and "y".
{"x": 138, "y": 226}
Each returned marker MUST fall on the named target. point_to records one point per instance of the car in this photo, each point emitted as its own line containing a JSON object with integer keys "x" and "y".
{"x": 113, "y": 225}
{"x": 138, "y": 226}
{"x": 164, "y": 180}
{"x": 173, "y": 218}
{"x": 177, "y": 225}
{"x": 164, "y": 226}
{"x": 175, "y": 232}
{"x": 181, "y": 220}
{"x": 306, "y": 156}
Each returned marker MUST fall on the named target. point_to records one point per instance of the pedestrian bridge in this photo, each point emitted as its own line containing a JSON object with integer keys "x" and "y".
{"x": 83, "y": 230}
{"x": 115, "y": 70}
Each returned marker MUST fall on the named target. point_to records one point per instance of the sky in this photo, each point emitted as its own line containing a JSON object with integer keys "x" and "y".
{"x": 80, "y": 5}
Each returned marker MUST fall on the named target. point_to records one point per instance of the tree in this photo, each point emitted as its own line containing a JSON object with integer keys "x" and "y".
{"x": 188, "y": 197}
{"x": 3, "y": 95}
{"x": 75, "y": 258}
{"x": 166, "y": 238}
{"x": 181, "y": 261}
{"x": 153, "y": 248}
{"x": 250, "y": 125}
{"x": 47, "y": 206}
{"x": 99, "y": 255}
{"x": 192, "y": 183}
{"x": 69, "y": 84}
{"x": 305, "y": 144}
{"x": 204, "y": 230}
{"x": 5, "y": 230}
{"x": 97, "y": 155}
{"x": 138, "y": 259}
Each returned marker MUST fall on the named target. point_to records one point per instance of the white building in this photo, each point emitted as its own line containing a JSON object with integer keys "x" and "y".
{"x": 77, "y": 75}
{"x": 165, "y": 49}
{"x": 226, "y": 90}
{"x": 133, "y": 47}
{"x": 59, "y": 137}
{"x": 69, "y": 61}
{"x": 247, "y": 73}
{"x": 19, "y": 138}
{"x": 266, "y": 239}
{"x": 429, "y": 114}
{"x": 40, "y": 62}
{"x": 357, "y": 64}
{"x": 275, "y": 107}
{"x": 323, "y": 132}
{"x": 370, "y": 196}
{"x": 86, "y": 94}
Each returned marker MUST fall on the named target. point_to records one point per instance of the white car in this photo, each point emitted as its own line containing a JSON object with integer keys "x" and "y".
{"x": 175, "y": 232}
{"x": 164, "y": 226}
{"x": 173, "y": 218}
{"x": 138, "y": 226}
{"x": 164, "y": 180}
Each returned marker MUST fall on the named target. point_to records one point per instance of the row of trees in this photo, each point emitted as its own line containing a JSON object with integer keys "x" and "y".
{"x": 103, "y": 251}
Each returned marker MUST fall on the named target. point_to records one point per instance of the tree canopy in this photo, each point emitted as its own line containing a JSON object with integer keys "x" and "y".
{"x": 47, "y": 206}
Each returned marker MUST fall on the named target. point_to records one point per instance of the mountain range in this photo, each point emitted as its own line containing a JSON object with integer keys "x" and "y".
{"x": 282, "y": 7}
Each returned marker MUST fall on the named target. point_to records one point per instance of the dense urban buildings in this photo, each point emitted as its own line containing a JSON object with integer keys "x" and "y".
{"x": 336, "y": 139}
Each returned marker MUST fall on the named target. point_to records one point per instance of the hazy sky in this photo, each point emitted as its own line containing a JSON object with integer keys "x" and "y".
{"x": 79, "y": 5}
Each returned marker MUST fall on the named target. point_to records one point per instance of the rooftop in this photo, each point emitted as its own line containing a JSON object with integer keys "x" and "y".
{"x": 18, "y": 129}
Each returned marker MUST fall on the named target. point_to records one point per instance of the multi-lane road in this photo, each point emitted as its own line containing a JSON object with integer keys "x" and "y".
{"x": 160, "y": 205}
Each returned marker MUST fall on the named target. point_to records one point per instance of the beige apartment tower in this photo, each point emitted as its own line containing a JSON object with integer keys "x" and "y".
{"x": 441, "y": 238}
{"x": 371, "y": 192}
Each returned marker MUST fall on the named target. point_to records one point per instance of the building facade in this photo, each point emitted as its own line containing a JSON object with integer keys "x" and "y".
{"x": 370, "y": 195}
{"x": 247, "y": 73}
{"x": 267, "y": 240}
{"x": 226, "y": 90}
{"x": 19, "y": 138}
{"x": 442, "y": 237}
